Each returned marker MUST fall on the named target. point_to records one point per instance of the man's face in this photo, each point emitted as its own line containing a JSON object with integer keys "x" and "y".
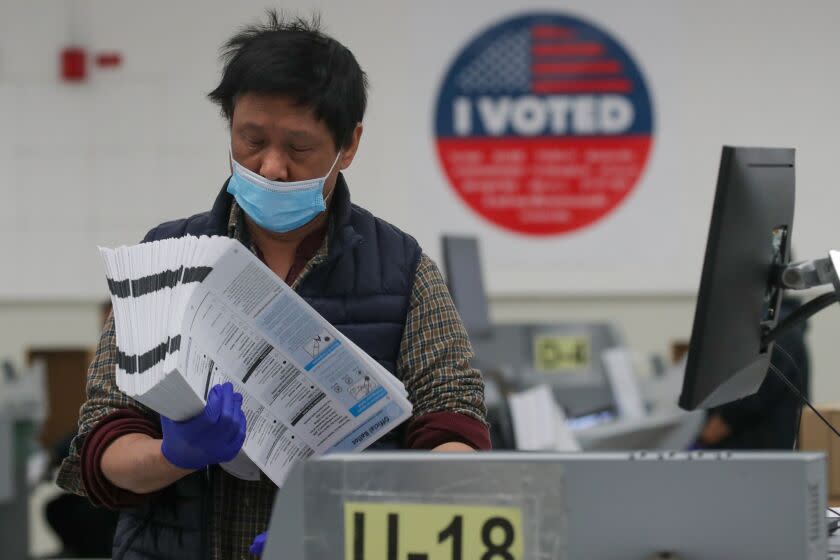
{"x": 282, "y": 141}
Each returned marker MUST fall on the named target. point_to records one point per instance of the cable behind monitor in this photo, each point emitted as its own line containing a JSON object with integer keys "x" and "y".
{"x": 807, "y": 403}
{"x": 801, "y": 314}
{"x": 795, "y": 365}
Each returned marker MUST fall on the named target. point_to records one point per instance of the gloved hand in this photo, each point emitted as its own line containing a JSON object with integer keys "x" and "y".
{"x": 214, "y": 436}
{"x": 258, "y": 544}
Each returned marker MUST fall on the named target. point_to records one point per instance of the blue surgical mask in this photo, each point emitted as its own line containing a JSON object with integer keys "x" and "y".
{"x": 276, "y": 205}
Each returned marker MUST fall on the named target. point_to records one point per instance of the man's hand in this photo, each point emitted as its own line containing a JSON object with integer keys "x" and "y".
{"x": 214, "y": 436}
{"x": 142, "y": 464}
{"x": 715, "y": 430}
{"x": 258, "y": 545}
{"x": 454, "y": 447}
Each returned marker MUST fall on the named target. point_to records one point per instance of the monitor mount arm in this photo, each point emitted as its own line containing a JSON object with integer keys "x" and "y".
{"x": 810, "y": 274}
{"x": 805, "y": 275}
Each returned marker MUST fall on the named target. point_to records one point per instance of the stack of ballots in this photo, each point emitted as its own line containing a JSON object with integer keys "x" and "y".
{"x": 197, "y": 311}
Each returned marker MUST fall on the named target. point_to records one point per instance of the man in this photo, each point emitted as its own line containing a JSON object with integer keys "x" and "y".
{"x": 294, "y": 99}
{"x": 769, "y": 419}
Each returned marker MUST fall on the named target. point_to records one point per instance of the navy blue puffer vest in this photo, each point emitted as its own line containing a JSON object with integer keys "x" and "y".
{"x": 363, "y": 289}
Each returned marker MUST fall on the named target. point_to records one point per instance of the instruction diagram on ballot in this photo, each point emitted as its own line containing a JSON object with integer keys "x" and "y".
{"x": 318, "y": 343}
{"x": 360, "y": 384}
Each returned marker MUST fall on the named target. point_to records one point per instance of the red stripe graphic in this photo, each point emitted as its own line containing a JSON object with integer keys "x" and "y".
{"x": 551, "y": 32}
{"x": 582, "y": 86}
{"x": 555, "y": 185}
{"x": 601, "y": 67}
{"x": 568, "y": 49}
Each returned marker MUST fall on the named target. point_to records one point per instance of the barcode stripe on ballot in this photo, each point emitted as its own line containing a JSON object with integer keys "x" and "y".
{"x": 155, "y": 282}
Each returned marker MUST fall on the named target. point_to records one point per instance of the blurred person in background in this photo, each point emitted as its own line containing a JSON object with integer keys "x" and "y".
{"x": 85, "y": 531}
{"x": 769, "y": 419}
{"x": 294, "y": 99}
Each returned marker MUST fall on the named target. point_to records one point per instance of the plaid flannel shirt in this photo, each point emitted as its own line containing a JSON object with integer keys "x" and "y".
{"x": 433, "y": 362}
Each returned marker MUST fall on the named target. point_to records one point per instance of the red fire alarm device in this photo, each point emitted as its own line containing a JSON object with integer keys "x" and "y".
{"x": 73, "y": 64}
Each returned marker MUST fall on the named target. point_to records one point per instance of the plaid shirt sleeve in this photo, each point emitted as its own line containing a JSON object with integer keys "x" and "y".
{"x": 435, "y": 352}
{"x": 103, "y": 398}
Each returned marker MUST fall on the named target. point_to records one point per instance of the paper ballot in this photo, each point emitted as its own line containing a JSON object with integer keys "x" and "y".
{"x": 539, "y": 424}
{"x": 197, "y": 311}
{"x": 625, "y": 386}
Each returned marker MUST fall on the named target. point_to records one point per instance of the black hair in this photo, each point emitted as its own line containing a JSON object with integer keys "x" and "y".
{"x": 294, "y": 57}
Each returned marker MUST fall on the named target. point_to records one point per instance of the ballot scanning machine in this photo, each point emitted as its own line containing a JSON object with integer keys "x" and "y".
{"x": 568, "y": 357}
{"x": 535, "y": 506}
{"x": 628, "y": 506}
{"x": 565, "y": 356}
{"x": 22, "y": 410}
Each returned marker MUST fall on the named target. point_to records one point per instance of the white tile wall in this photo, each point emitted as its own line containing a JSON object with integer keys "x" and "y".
{"x": 125, "y": 113}
{"x": 53, "y": 119}
{"x": 124, "y": 194}
{"x": 143, "y": 135}
{"x": 54, "y": 193}
{"x": 102, "y": 161}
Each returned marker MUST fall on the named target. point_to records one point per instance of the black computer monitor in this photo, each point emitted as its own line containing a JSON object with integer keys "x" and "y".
{"x": 740, "y": 293}
{"x": 462, "y": 262}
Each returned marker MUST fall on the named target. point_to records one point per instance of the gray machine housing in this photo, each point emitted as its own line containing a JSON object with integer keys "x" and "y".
{"x": 609, "y": 506}
{"x": 23, "y": 406}
{"x": 506, "y": 353}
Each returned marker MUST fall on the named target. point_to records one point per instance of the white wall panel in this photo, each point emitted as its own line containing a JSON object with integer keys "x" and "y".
{"x": 139, "y": 144}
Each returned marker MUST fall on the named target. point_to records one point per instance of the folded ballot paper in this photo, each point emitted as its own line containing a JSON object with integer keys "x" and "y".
{"x": 197, "y": 311}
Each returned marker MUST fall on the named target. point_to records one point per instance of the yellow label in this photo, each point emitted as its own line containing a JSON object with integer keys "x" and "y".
{"x": 413, "y": 531}
{"x": 561, "y": 353}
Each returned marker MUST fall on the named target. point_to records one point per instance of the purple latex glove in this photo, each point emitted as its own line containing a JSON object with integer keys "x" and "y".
{"x": 214, "y": 436}
{"x": 258, "y": 544}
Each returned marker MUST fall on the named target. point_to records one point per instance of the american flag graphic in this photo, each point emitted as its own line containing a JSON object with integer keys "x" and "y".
{"x": 544, "y": 59}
